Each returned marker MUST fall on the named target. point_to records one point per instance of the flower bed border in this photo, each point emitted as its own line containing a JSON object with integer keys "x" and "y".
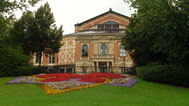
{"x": 42, "y": 83}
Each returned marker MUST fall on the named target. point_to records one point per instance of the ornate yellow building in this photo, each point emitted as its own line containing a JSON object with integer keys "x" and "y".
{"x": 94, "y": 47}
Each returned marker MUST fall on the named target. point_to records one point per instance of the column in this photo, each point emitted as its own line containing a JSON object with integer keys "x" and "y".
{"x": 113, "y": 67}
{"x": 93, "y": 67}
{"x": 65, "y": 70}
{"x": 97, "y": 66}
{"x": 108, "y": 68}
{"x": 110, "y": 65}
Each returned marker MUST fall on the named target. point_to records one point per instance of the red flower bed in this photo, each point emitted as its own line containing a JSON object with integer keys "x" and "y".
{"x": 98, "y": 77}
{"x": 92, "y": 77}
{"x": 107, "y": 75}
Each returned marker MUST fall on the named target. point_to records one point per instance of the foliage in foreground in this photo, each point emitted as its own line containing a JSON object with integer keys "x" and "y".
{"x": 9, "y": 6}
{"x": 158, "y": 33}
{"x": 37, "y": 33}
{"x": 170, "y": 74}
{"x": 13, "y": 62}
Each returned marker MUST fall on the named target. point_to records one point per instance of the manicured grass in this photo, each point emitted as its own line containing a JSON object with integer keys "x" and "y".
{"x": 141, "y": 94}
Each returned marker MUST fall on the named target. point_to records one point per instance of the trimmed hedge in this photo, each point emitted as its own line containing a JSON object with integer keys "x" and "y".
{"x": 170, "y": 74}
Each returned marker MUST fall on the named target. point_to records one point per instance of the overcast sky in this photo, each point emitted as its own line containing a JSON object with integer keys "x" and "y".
{"x": 70, "y": 12}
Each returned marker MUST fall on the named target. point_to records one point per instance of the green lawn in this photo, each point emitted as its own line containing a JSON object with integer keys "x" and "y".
{"x": 141, "y": 94}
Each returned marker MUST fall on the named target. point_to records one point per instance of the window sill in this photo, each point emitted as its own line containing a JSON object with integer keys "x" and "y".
{"x": 51, "y": 64}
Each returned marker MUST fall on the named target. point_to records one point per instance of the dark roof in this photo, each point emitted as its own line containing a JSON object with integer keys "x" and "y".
{"x": 110, "y": 11}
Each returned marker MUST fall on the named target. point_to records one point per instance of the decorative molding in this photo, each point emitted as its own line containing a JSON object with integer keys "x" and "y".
{"x": 67, "y": 51}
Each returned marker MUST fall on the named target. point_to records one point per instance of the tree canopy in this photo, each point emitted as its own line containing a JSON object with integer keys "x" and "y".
{"x": 13, "y": 61}
{"x": 37, "y": 32}
{"x": 7, "y": 9}
{"x": 157, "y": 38}
{"x": 158, "y": 32}
{"x": 9, "y": 6}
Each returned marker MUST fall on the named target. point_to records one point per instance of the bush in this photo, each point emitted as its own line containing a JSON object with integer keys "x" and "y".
{"x": 171, "y": 74}
{"x": 42, "y": 69}
{"x": 13, "y": 62}
{"x": 132, "y": 71}
{"x": 27, "y": 71}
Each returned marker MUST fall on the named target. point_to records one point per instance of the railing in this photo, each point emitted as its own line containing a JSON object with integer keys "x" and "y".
{"x": 103, "y": 56}
{"x": 58, "y": 69}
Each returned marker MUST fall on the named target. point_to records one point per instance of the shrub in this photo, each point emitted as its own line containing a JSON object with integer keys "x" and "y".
{"x": 42, "y": 69}
{"x": 13, "y": 62}
{"x": 27, "y": 71}
{"x": 132, "y": 71}
{"x": 171, "y": 74}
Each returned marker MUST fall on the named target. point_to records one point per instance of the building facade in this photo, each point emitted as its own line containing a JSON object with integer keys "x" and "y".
{"x": 95, "y": 46}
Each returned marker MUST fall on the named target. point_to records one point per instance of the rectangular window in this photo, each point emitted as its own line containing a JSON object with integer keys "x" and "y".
{"x": 51, "y": 59}
{"x": 116, "y": 27}
{"x": 62, "y": 71}
{"x": 68, "y": 70}
{"x": 84, "y": 71}
{"x": 122, "y": 52}
{"x": 37, "y": 57}
{"x": 100, "y": 27}
{"x": 108, "y": 27}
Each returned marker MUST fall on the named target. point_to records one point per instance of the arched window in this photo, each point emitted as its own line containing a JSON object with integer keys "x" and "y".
{"x": 111, "y": 25}
{"x": 84, "y": 50}
{"x": 108, "y": 25}
{"x": 122, "y": 50}
{"x": 103, "y": 49}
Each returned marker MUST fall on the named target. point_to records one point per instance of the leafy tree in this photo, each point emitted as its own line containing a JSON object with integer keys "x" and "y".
{"x": 37, "y": 33}
{"x": 12, "y": 59}
{"x": 157, "y": 37}
{"x": 23, "y": 30}
{"x": 3, "y": 28}
{"x": 7, "y": 9}
{"x": 158, "y": 32}
{"x": 9, "y": 6}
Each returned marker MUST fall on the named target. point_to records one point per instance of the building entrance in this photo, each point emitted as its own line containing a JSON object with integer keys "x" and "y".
{"x": 69, "y": 70}
{"x": 103, "y": 67}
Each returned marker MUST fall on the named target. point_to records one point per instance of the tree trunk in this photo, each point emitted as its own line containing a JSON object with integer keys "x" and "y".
{"x": 39, "y": 68}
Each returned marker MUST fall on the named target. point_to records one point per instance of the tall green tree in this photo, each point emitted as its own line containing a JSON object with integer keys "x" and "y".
{"x": 158, "y": 32}
{"x": 12, "y": 60}
{"x": 37, "y": 32}
{"x": 24, "y": 31}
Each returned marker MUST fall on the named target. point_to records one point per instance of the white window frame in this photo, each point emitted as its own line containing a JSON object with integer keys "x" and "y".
{"x": 122, "y": 51}
{"x": 34, "y": 59}
{"x": 50, "y": 61}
